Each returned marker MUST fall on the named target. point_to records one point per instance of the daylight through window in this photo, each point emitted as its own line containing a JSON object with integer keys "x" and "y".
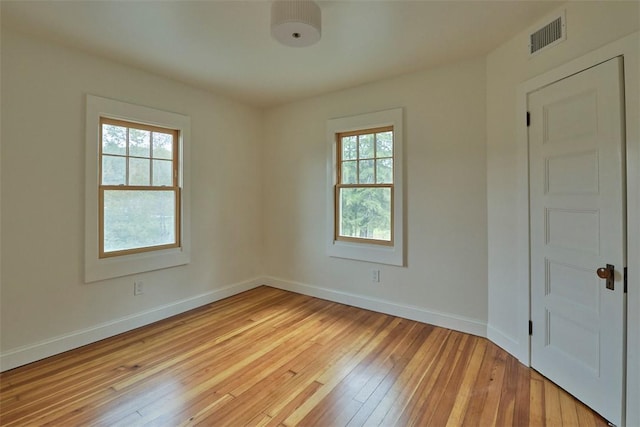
{"x": 139, "y": 193}
{"x": 364, "y": 186}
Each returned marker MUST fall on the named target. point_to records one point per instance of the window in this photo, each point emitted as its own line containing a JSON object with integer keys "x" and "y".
{"x": 139, "y": 192}
{"x": 137, "y": 215}
{"x": 364, "y": 189}
{"x": 365, "y": 197}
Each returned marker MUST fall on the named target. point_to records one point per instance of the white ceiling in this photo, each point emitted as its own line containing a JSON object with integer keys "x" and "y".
{"x": 226, "y": 47}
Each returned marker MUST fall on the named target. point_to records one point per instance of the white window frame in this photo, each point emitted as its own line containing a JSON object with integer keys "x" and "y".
{"x": 370, "y": 252}
{"x": 97, "y": 268}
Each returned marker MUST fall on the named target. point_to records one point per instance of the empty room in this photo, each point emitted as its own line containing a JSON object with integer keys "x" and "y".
{"x": 320, "y": 213}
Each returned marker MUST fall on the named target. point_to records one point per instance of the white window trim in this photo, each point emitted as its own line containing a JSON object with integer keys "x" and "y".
{"x": 97, "y": 268}
{"x": 392, "y": 255}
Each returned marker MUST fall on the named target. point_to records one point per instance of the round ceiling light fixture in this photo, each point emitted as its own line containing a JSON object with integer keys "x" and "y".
{"x": 295, "y": 23}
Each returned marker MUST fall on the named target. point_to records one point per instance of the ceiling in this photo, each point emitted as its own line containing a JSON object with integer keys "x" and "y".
{"x": 226, "y": 47}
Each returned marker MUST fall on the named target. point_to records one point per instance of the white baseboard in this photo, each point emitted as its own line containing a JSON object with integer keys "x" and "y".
{"x": 56, "y": 345}
{"x": 30, "y": 353}
{"x": 445, "y": 320}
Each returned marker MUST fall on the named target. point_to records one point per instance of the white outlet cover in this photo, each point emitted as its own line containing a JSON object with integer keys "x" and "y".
{"x": 138, "y": 288}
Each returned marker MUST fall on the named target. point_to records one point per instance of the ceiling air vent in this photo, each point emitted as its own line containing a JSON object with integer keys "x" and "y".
{"x": 552, "y": 33}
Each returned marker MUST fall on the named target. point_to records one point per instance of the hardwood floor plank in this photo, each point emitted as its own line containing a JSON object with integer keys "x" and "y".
{"x": 195, "y": 413}
{"x": 494, "y": 387}
{"x": 249, "y": 404}
{"x": 233, "y": 365}
{"x": 268, "y": 357}
{"x": 167, "y": 389}
{"x": 523, "y": 399}
{"x": 553, "y": 413}
{"x": 506, "y": 404}
{"x": 568, "y": 409}
{"x": 344, "y": 364}
{"x": 398, "y": 359}
{"x": 312, "y": 366}
{"x": 441, "y": 412}
{"x": 404, "y": 385}
{"x": 466, "y": 390}
{"x": 385, "y": 358}
{"x": 480, "y": 388}
{"x": 537, "y": 409}
{"x": 345, "y": 392}
{"x": 296, "y": 400}
{"x": 261, "y": 420}
{"x": 428, "y": 391}
{"x": 585, "y": 418}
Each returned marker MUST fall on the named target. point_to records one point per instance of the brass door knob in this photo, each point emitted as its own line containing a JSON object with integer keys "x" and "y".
{"x": 603, "y": 273}
{"x": 607, "y": 273}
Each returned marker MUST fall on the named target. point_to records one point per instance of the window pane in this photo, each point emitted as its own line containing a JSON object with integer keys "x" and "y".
{"x": 114, "y": 170}
{"x": 139, "y": 142}
{"x": 114, "y": 139}
{"x": 139, "y": 171}
{"x": 384, "y": 171}
{"x": 138, "y": 219}
{"x": 365, "y": 213}
{"x": 366, "y": 172}
{"x": 162, "y": 146}
{"x": 349, "y": 148}
{"x": 349, "y": 173}
{"x": 384, "y": 144}
{"x": 162, "y": 172}
{"x": 366, "y": 146}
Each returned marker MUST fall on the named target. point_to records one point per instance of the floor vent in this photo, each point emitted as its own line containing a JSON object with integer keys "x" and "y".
{"x": 552, "y": 33}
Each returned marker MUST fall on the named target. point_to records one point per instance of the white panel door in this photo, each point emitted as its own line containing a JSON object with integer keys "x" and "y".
{"x": 578, "y": 226}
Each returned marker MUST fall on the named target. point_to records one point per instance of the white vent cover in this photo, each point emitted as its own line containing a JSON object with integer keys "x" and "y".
{"x": 551, "y": 33}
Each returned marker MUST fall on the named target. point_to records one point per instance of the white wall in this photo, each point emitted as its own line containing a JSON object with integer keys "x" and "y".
{"x": 445, "y": 278}
{"x": 590, "y": 25}
{"x": 45, "y": 304}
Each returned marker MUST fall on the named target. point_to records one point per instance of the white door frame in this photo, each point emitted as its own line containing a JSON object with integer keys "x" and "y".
{"x": 628, "y": 47}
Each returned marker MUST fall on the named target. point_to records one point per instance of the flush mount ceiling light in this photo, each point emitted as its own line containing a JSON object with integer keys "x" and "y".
{"x": 295, "y": 23}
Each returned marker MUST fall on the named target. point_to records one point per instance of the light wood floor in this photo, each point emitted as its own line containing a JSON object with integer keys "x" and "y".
{"x": 269, "y": 357}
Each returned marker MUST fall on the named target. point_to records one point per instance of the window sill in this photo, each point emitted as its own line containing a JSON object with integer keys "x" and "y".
{"x": 380, "y": 254}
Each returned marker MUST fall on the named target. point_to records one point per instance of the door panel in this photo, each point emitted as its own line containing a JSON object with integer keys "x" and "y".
{"x": 577, "y": 226}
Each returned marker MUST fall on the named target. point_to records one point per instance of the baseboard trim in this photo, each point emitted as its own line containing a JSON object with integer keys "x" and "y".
{"x": 445, "y": 320}
{"x": 56, "y": 345}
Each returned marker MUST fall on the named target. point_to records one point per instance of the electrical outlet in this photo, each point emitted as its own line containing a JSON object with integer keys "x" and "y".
{"x": 138, "y": 287}
{"x": 375, "y": 276}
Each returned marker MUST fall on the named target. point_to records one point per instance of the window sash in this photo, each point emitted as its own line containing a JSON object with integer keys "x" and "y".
{"x": 140, "y": 126}
{"x": 174, "y": 188}
{"x": 133, "y": 189}
{"x": 338, "y": 215}
{"x": 340, "y": 185}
